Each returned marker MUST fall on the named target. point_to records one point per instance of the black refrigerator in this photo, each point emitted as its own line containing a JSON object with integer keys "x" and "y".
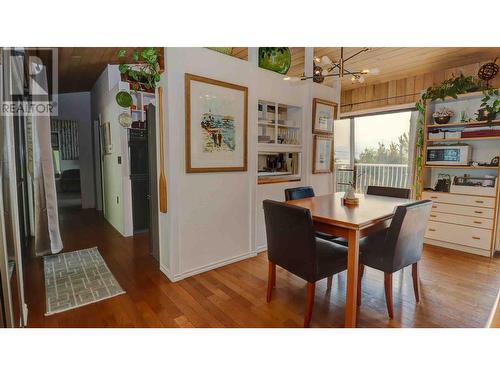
{"x": 139, "y": 177}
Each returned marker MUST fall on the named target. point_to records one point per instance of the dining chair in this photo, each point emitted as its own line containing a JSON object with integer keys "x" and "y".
{"x": 396, "y": 247}
{"x": 306, "y": 192}
{"x": 388, "y": 191}
{"x": 293, "y": 245}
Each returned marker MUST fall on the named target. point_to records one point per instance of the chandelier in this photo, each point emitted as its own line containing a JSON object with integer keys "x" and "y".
{"x": 325, "y": 67}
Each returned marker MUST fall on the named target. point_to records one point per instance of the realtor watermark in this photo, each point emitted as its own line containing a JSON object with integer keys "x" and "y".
{"x": 29, "y": 80}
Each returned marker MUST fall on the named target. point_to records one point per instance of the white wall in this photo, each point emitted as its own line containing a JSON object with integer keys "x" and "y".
{"x": 76, "y": 106}
{"x": 117, "y": 200}
{"x": 212, "y": 216}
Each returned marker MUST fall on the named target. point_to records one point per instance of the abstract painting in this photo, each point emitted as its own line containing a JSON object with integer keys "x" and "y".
{"x": 216, "y": 125}
{"x": 324, "y": 112}
{"x": 323, "y": 154}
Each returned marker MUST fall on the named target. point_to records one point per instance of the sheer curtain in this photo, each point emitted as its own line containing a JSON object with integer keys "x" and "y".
{"x": 47, "y": 234}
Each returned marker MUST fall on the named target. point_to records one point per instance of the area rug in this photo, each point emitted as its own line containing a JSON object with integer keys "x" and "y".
{"x": 76, "y": 279}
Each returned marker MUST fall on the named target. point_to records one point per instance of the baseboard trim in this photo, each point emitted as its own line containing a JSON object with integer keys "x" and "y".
{"x": 452, "y": 246}
{"x": 261, "y": 248}
{"x": 208, "y": 267}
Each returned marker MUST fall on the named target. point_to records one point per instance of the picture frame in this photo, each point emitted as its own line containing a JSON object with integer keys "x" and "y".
{"x": 324, "y": 113}
{"x": 322, "y": 154}
{"x": 216, "y": 125}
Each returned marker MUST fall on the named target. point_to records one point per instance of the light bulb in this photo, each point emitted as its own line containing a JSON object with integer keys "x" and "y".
{"x": 353, "y": 79}
{"x": 294, "y": 79}
{"x": 361, "y": 79}
{"x": 365, "y": 71}
{"x": 317, "y": 59}
{"x": 287, "y": 78}
{"x": 326, "y": 60}
{"x": 324, "y": 72}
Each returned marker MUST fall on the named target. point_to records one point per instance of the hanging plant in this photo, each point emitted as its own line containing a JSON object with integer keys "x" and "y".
{"x": 145, "y": 70}
{"x": 490, "y": 104}
{"x": 448, "y": 88}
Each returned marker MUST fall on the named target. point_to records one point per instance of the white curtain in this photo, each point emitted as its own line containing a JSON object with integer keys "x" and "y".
{"x": 47, "y": 234}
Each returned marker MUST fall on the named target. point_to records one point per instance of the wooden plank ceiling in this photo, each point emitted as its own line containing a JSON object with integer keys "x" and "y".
{"x": 79, "y": 67}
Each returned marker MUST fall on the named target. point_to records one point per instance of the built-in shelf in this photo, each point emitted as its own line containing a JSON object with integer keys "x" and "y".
{"x": 463, "y": 139}
{"x": 460, "y": 166}
{"x": 470, "y": 124}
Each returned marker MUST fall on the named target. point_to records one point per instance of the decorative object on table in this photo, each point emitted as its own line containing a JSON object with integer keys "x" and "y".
{"x": 490, "y": 105}
{"x": 125, "y": 120}
{"x": 106, "y": 136}
{"x": 162, "y": 184}
{"x": 276, "y": 59}
{"x": 216, "y": 125}
{"x": 324, "y": 113}
{"x": 443, "y": 116}
{"x": 443, "y": 183}
{"x": 322, "y": 154}
{"x": 144, "y": 72}
{"x": 349, "y": 197}
{"x": 488, "y": 71}
{"x": 325, "y": 67}
{"x": 124, "y": 99}
{"x": 224, "y": 50}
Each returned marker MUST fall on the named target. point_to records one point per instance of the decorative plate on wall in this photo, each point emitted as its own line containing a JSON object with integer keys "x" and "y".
{"x": 277, "y": 59}
{"x": 124, "y": 99}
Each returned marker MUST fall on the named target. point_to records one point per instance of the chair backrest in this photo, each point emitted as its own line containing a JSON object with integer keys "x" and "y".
{"x": 405, "y": 236}
{"x": 299, "y": 193}
{"x": 291, "y": 241}
{"x": 388, "y": 191}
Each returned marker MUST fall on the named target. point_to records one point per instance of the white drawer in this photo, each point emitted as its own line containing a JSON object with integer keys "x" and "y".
{"x": 465, "y": 200}
{"x": 467, "y": 236}
{"x": 487, "y": 213}
{"x": 462, "y": 220}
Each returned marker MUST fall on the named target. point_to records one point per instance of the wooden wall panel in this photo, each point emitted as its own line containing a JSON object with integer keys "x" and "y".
{"x": 380, "y": 94}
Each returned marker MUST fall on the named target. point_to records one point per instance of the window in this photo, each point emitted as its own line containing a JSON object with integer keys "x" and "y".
{"x": 378, "y": 146}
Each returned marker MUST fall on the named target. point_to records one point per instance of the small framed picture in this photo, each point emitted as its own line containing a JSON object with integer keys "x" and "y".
{"x": 324, "y": 112}
{"x": 322, "y": 154}
{"x": 216, "y": 125}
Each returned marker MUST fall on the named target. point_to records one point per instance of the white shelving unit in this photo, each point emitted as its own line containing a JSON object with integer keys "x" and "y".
{"x": 466, "y": 218}
{"x": 279, "y": 142}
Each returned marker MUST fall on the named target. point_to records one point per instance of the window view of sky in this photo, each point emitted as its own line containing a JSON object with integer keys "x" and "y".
{"x": 386, "y": 128}
{"x": 369, "y": 131}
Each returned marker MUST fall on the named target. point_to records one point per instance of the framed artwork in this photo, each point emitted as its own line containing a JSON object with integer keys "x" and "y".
{"x": 322, "y": 154}
{"x": 324, "y": 112}
{"x": 216, "y": 125}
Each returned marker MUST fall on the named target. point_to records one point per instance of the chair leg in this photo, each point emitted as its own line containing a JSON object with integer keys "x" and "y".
{"x": 271, "y": 280}
{"x": 388, "y": 293}
{"x": 416, "y": 281}
{"x": 329, "y": 282}
{"x": 309, "y": 304}
{"x": 361, "y": 271}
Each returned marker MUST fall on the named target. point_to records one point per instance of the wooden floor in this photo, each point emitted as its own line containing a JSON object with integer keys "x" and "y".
{"x": 457, "y": 290}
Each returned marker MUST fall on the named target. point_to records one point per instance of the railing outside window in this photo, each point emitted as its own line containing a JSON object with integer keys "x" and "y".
{"x": 393, "y": 175}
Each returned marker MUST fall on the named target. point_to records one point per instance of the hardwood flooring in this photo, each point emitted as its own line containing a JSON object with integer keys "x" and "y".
{"x": 457, "y": 290}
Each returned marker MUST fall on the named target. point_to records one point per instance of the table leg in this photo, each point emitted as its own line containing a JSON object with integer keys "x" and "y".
{"x": 352, "y": 279}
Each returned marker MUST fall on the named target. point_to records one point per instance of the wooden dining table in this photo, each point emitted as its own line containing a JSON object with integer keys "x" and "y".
{"x": 331, "y": 216}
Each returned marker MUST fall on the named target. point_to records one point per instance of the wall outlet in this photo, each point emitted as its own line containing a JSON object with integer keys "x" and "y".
{"x": 117, "y": 199}
{"x": 119, "y": 159}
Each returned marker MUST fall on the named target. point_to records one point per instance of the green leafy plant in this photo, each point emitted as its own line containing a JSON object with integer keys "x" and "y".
{"x": 491, "y": 102}
{"x": 145, "y": 69}
{"x": 451, "y": 87}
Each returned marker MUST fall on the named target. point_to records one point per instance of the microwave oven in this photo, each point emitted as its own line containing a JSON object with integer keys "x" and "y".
{"x": 449, "y": 155}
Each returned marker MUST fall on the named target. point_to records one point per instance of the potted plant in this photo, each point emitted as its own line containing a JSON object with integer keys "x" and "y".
{"x": 442, "y": 116}
{"x": 144, "y": 73}
{"x": 490, "y": 105}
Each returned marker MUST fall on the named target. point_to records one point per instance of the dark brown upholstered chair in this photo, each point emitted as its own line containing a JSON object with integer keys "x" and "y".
{"x": 388, "y": 191}
{"x": 293, "y": 245}
{"x": 306, "y": 192}
{"x": 396, "y": 247}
